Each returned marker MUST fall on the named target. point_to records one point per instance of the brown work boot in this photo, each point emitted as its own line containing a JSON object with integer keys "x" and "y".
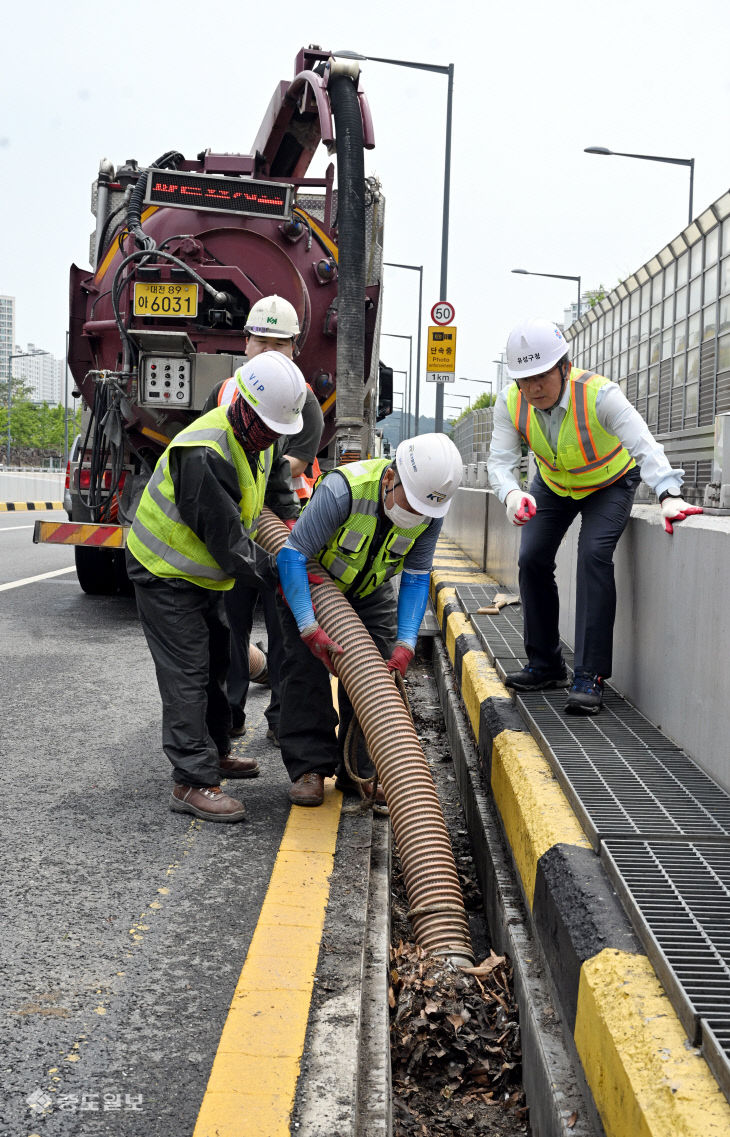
{"x": 207, "y": 802}
{"x": 239, "y": 767}
{"x": 349, "y": 788}
{"x": 307, "y": 790}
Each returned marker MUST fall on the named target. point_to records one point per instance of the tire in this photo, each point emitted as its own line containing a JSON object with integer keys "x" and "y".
{"x": 95, "y": 569}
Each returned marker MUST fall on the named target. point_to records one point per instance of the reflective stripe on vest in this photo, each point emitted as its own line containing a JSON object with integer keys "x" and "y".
{"x": 303, "y": 484}
{"x": 588, "y": 457}
{"x": 161, "y": 541}
{"x": 357, "y": 567}
{"x": 227, "y": 392}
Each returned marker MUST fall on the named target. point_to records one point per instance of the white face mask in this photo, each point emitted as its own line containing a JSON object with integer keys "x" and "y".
{"x": 399, "y": 516}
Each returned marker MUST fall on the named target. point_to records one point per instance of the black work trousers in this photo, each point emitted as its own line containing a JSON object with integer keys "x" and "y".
{"x": 308, "y": 718}
{"x": 188, "y": 635}
{"x": 240, "y": 604}
{"x": 604, "y": 516}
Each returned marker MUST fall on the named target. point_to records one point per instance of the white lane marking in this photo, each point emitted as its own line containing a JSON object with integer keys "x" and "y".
{"x": 8, "y": 528}
{"x": 33, "y": 579}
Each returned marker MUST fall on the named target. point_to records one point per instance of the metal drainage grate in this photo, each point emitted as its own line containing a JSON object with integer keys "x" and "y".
{"x": 716, "y": 1049}
{"x": 678, "y": 899}
{"x": 501, "y": 635}
{"x": 473, "y": 596}
{"x": 619, "y": 782}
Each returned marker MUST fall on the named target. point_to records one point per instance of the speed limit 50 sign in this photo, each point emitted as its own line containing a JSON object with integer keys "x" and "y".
{"x": 443, "y": 313}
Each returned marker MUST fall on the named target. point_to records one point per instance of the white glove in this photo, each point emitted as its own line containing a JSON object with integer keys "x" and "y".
{"x": 675, "y": 509}
{"x": 521, "y": 507}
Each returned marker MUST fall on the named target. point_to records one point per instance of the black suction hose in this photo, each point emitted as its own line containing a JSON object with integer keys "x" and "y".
{"x": 168, "y": 161}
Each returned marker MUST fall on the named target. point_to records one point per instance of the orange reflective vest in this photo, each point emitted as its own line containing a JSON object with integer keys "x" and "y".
{"x": 588, "y": 457}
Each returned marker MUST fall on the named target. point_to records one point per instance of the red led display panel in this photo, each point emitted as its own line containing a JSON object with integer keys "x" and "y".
{"x": 244, "y": 196}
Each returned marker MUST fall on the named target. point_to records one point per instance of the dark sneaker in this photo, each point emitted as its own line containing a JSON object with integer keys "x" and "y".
{"x": 585, "y": 696}
{"x": 209, "y": 803}
{"x": 237, "y": 731}
{"x": 533, "y": 679}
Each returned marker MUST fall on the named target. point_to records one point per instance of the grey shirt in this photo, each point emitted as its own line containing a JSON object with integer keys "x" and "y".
{"x": 328, "y": 510}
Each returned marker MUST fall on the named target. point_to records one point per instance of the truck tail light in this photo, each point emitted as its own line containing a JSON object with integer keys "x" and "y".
{"x": 85, "y": 479}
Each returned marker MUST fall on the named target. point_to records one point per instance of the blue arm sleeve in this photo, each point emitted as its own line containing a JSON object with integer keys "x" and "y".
{"x": 412, "y": 601}
{"x": 292, "y": 569}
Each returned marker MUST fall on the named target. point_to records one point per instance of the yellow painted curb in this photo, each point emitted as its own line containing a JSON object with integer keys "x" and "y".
{"x": 646, "y": 1079}
{"x": 479, "y": 681}
{"x": 444, "y": 597}
{"x": 26, "y": 506}
{"x": 457, "y": 624}
{"x": 535, "y": 812}
{"x": 252, "y": 1084}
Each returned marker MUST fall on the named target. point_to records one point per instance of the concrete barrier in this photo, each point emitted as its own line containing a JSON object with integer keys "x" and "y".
{"x": 672, "y": 633}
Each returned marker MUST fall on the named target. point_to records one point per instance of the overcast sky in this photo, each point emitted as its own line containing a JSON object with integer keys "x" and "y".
{"x": 535, "y": 83}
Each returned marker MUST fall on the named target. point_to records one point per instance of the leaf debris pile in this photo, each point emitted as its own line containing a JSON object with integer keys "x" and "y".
{"x": 455, "y": 1045}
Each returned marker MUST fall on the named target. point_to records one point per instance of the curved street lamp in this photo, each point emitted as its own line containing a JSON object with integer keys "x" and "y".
{"x": 651, "y": 158}
{"x": 554, "y": 275}
{"x": 437, "y": 69}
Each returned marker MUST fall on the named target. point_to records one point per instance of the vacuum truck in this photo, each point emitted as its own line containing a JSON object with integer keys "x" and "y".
{"x": 182, "y": 248}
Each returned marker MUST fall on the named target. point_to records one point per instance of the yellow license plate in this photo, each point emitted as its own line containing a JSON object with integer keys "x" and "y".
{"x": 166, "y": 299}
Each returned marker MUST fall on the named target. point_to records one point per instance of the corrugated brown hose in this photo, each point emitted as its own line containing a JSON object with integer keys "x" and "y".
{"x": 436, "y": 904}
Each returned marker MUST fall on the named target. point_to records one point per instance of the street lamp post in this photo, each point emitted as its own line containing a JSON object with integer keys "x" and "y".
{"x": 463, "y": 379}
{"x": 652, "y": 158}
{"x": 554, "y": 275}
{"x": 17, "y": 355}
{"x": 405, "y": 394}
{"x": 438, "y": 70}
{"x": 419, "y": 270}
{"x": 401, "y": 396}
{"x": 398, "y": 336}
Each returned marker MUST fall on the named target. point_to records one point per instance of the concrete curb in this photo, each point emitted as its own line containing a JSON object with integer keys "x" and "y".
{"x": 28, "y": 506}
{"x": 642, "y": 1073}
{"x": 344, "y": 1087}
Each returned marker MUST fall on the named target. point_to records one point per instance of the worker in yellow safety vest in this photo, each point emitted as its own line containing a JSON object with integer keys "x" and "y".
{"x": 192, "y": 538}
{"x": 587, "y": 440}
{"x": 367, "y": 522}
{"x": 272, "y": 325}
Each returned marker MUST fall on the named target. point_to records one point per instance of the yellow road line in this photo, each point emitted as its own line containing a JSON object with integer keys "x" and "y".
{"x": 254, "y": 1077}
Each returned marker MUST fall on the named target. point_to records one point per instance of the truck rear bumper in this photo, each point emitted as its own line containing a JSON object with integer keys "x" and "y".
{"x": 80, "y": 533}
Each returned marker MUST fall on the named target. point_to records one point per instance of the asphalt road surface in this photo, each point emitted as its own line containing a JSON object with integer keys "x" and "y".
{"x": 124, "y": 926}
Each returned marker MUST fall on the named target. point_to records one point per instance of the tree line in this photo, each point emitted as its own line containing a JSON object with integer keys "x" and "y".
{"x": 37, "y": 430}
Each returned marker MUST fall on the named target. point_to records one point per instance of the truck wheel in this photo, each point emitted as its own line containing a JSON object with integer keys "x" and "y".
{"x": 95, "y": 570}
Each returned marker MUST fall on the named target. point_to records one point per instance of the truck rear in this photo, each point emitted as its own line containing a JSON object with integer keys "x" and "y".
{"x": 181, "y": 251}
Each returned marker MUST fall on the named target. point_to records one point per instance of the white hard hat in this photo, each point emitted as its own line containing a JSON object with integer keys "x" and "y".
{"x": 272, "y": 316}
{"x": 430, "y": 468}
{"x": 534, "y": 346}
{"x": 275, "y": 387}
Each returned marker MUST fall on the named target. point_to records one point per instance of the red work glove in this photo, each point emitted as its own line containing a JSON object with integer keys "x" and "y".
{"x": 521, "y": 507}
{"x": 401, "y": 657}
{"x": 290, "y": 522}
{"x": 675, "y": 509}
{"x": 321, "y": 645}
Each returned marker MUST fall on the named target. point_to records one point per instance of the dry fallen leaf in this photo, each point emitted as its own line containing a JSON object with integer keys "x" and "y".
{"x": 572, "y": 1119}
